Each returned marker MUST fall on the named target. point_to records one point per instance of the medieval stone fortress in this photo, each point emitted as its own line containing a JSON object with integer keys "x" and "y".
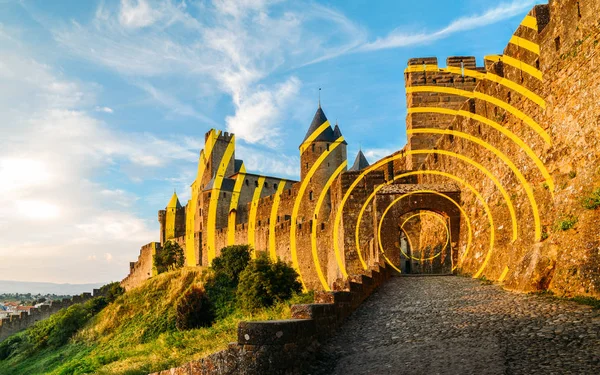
{"x": 479, "y": 189}
{"x": 499, "y": 182}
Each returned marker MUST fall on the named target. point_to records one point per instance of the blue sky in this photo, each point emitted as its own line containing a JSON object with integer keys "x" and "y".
{"x": 105, "y": 103}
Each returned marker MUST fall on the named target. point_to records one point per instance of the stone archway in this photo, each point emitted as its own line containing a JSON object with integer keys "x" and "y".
{"x": 394, "y": 203}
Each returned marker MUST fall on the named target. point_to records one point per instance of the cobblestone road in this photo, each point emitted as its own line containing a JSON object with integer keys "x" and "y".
{"x": 456, "y": 325}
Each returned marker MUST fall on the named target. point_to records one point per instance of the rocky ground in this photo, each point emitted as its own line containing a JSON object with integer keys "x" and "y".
{"x": 457, "y": 325}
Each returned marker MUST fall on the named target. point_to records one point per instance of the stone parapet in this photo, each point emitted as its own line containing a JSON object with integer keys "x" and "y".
{"x": 280, "y": 347}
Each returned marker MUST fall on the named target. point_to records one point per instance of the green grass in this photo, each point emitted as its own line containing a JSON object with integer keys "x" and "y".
{"x": 582, "y": 300}
{"x": 592, "y": 201}
{"x": 566, "y": 223}
{"x": 136, "y": 334}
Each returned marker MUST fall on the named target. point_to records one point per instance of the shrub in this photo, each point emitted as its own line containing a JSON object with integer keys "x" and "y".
{"x": 221, "y": 293}
{"x": 169, "y": 257}
{"x": 58, "y": 329}
{"x": 193, "y": 310}
{"x": 566, "y": 223}
{"x": 112, "y": 291}
{"x": 232, "y": 261}
{"x": 593, "y": 201}
{"x": 10, "y": 346}
{"x": 263, "y": 283}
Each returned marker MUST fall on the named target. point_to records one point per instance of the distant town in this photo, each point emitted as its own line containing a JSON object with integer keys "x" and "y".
{"x": 16, "y": 303}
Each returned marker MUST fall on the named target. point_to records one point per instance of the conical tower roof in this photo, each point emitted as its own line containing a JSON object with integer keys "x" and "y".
{"x": 174, "y": 202}
{"x": 360, "y": 162}
{"x": 338, "y": 133}
{"x": 319, "y": 119}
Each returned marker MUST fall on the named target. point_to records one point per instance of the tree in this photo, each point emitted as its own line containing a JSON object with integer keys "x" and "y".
{"x": 169, "y": 257}
{"x": 264, "y": 282}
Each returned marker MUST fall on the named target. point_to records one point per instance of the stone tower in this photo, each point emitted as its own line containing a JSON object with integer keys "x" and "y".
{"x": 172, "y": 220}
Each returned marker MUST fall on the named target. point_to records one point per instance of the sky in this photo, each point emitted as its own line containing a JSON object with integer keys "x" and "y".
{"x": 104, "y": 105}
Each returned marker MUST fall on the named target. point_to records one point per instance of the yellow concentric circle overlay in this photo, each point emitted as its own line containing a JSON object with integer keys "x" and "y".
{"x": 494, "y": 125}
{"x": 479, "y": 197}
{"x": 339, "y": 212}
{"x": 522, "y": 180}
{"x": 313, "y": 233}
{"x": 298, "y": 201}
{"x": 437, "y": 217}
{"x": 441, "y": 152}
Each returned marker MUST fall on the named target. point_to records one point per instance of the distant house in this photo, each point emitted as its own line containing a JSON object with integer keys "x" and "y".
{"x": 27, "y": 309}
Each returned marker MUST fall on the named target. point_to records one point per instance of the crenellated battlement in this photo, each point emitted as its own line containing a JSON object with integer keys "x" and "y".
{"x": 24, "y": 320}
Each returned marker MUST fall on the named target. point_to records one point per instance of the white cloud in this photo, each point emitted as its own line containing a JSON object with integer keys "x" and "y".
{"x": 104, "y": 109}
{"x": 375, "y": 154}
{"x": 173, "y": 104}
{"x": 137, "y": 13}
{"x": 230, "y": 47}
{"x": 37, "y": 210}
{"x": 398, "y": 38}
{"x": 54, "y": 218}
{"x": 258, "y": 160}
{"x": 257, "y": 116}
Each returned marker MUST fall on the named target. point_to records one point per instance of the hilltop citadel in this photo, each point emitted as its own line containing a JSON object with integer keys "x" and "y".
{"x": 478, "y": 189}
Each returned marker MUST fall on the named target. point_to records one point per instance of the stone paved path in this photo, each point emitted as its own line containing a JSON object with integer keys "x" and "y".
{"x": 456, "y": 325}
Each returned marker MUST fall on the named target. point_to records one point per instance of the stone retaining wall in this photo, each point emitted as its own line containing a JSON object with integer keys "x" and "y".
{"x": 280, "y": 347}
{"x": 17, "y": 323}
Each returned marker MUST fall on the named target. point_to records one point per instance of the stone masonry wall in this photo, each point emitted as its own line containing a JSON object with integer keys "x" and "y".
{"x": 16, "y": 323}
{"x": 281, "y": 347}
{"x": 567, "y": 262}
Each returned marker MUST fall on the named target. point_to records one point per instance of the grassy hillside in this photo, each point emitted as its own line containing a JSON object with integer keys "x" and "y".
{"x": 136, "y": 334}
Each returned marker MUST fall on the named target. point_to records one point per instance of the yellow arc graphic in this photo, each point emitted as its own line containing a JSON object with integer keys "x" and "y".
{"x": 441, "y": 152}
{"x": 490, "y": 99}
{"x": 522, "y": 180}
{"x": 273, "y": 220}
{"x": 479, "y": 198}
{"x": 532, "y": 71}
{"x": 190, "y": 216}
{"x": 298, "y": 200}
{"x": 313, "y": 136}
{"x": 233, "y": 207}
{"x": 211, "y": 225}
{"x": 313, "y": 233}
{"x": 437, "y": 217}
{"x": 252, "y": 215}
{"x": 540, "y": 165}
{"x": 481, "y": 76}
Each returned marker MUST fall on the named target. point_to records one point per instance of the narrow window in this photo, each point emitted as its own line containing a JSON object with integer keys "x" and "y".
{"x": 275, "y": 186}
{"x": 322, "y": 226}
{"x": 310, "y": 195}
{"x": 266, "y": 185}
{"x": 313, "y": 147}
{"x": 224, "y": 195}
{"x": 328, "y": 147}
{"x": 256, "y": 183}
{"x": 578, "y": 10}
{"x": 557, "y": 43}
{"x": 306, "y": 165}
{"x": 246, "y": 182}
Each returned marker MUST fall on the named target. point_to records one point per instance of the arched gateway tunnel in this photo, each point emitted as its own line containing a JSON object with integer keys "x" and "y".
{"x": 417, "y": 227}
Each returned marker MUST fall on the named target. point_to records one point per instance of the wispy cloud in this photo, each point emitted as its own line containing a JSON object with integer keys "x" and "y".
{"x": 104, "y": 109}
{"x": 210, "y": 44}
{"x": 399, "y": 38}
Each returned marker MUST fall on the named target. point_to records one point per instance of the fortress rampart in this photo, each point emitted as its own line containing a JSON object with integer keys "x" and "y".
{"x": 17, "y": 323}
{"x": 516, "y": 139}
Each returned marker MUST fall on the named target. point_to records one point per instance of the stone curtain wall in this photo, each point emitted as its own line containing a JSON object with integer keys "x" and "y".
{"x": 563, "y": 261}
{"x": 288, "y": 346}
{"x": 143, "y": 269}
{"x": 17, "y": 323}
